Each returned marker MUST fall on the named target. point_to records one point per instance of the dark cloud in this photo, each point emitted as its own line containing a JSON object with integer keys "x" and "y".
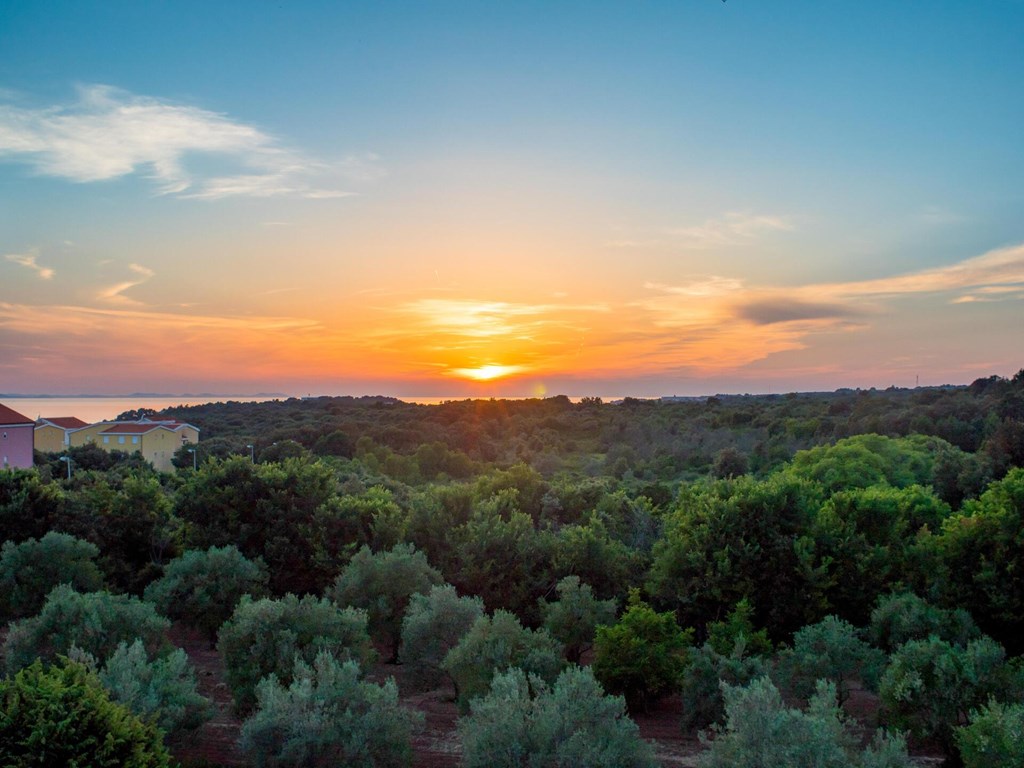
{"x": 783, "y": 310}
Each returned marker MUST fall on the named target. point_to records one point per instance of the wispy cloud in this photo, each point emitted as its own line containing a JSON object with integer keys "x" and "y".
{"x": 109, "y": 133}
{"x": 115, "y": 293}
{"x": 733, "y": 228}
{"x": 29, "y": 260}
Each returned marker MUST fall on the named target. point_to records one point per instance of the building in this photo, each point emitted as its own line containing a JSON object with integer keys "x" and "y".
{"x": 156, "y": 439}
{"x": 53, "y": 434}
{"x": 16, "y": 439}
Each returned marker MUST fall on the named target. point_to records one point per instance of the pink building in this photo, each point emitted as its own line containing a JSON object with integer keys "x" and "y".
{"x": 16, "y": 439}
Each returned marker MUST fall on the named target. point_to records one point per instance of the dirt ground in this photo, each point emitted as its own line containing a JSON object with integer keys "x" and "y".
{"x": 436, "y": 745}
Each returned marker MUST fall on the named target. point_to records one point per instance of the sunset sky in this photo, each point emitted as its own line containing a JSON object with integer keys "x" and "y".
{"x": 509, "y": 198}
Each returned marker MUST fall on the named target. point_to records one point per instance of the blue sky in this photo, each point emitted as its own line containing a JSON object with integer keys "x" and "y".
{"x": 679, "y": 196}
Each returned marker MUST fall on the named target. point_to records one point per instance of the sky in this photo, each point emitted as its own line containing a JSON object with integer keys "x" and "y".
{"x": 509, "y": 199}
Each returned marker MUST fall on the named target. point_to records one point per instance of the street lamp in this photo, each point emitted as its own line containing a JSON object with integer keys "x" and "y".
{"x": 252, "y": 453}
{"x": 193, "y": 452}
{"x": 67, "y": 460}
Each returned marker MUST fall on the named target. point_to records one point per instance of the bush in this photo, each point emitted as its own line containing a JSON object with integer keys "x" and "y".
{"x": 328, "y": 715}
{"x": 701, "y": 687}
{"x": 496, "y": 644}
{"x": 96, "y": 623}
{"x": 522, "y": 722}
{"x": 264, "y": 636}
{"x": 899, "y": 618}
{"x": 829, "y": 650}
{"x": 433, "y": 625}
{"x": 62, "y": 716}
{"x": 738, "y": 627}
{"x": 930, "y": 686}
{"x": 30, "y": 570}
{"x": 760, "y": 731}
{"x": 573, "y": 619}
{"x": 643, "y": 656}
{"x": 382, "y": 584}
{"x": 995, "y": 736}
{"x": 203, "y": 588}
{"x": 161, "y": 691}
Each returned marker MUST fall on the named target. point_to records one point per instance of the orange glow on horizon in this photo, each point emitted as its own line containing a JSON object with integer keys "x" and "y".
{"x": 487, "y": 372}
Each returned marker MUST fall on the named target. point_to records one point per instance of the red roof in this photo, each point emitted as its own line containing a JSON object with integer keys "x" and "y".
{"x": 130, "y": 429}
{"x": 8, "y": 416}
{"x": 66, "y": 422}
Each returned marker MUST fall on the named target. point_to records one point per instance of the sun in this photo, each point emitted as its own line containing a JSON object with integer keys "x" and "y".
{"x": 487, "y": 372}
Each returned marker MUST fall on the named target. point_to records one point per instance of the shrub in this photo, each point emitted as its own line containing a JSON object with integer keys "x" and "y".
{"x": 995, "y": 736}
{"x": 161, "y": 690}
{"x": 382, "y": 583}
{"x": 701, "y": 686}
{"x": 523, "y": 722}
{"x": 760, "y": 731}
{"x": 433, "y": 625}
{"x": 739, "y": 626}
{"x": 328, "y": 715}
{"x": 203, "y": 588}
{"x": 931, "y": 686}
{"x": 61, "y": 715}
{"x": 30, "y": 570}
{"x": 829, "y": 650}
{"x": 901, "y": 617}
{"x": 96, "y": 622}
{"x": 573, "y": 619}
{"x": 495, "y": 644}
{"x": 264, "y": 636}
{"x": 643, "y": 656}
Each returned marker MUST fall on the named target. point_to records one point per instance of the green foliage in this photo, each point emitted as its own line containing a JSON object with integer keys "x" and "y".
{"x": 28, "y": 506}
{"x": 161, "y": 690}
{"x": 327, "y": 715}
{"x": 62, "y": 716}
{"x": 643, "y": 655}
{"x": 573, "y": 619}
{"x": 994, "y": 737}
{"x": 760, "y": 731}
{"x": 829, "y": 650}
{"x": 729, "y": 463}
{"x": 31, "y": 569}
{"x": 96, "y": 622}
{"x": 266, "y": 510}
{"x": 865, "y": 460}
{"x": 899, "y": 618}
{"x": 264, "y": 637}
{"x": 703, "y": 703}
{"x": 983, "y": 560}
{"x": 589, "y": 551}
{"x": 738, "y": 628}
{"x": 433, "y": 625}
{"x": 741, "y": 539}
{"x": 495, "y": 644}
{"x": 382, "y": 584}
{"x": 521, "y": 722}
{"x": 931, "y": 686}
{"x": 203, "y": 588}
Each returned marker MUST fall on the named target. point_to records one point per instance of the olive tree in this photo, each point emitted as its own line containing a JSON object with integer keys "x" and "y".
{"x": 433, "y": 625}
{"x": 573, "y": 619}
{"x": 31, "y": 569}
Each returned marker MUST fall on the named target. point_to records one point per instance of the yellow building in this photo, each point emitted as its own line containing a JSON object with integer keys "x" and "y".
{"x": 52, "y": 435}
{"x": 157, "y": 441}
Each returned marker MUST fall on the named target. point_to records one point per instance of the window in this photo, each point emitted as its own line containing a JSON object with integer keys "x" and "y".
{"x": 106, "y": 439}
{"x": 135, "y": 440}
{"x": 120, "y": 440}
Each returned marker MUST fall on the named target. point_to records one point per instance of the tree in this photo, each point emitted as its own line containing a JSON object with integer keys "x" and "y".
{"x": 701, "y": 687}
{"x": 62, "y": 715}
{"x": 161, "y": 690}
{"x": 995, "y": 736}
{"x": 523, "y": 722}
{"x": 643, "y": 656}
{"x": 930, "y": 686}
{"x": 738, "y": 629}
{"x": 573, "y": 619}
{"x": 901, "y": 617}
{"x": 495, "y": 644}
{"x": 760, "y": 731}
{"x": 729, "y": 463}
{"x": 28, "y": 506}
{"x": 31, "y": 569}
{"x": 328, "y": 715}
{"x": 382, "y": 583}
{"x": 96, "y": 622}
{"x": 433, "y": 625}
{"x": 203, "y": 588}
{"x": 829, "y": 650}
{"x": 264, "y": 636}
